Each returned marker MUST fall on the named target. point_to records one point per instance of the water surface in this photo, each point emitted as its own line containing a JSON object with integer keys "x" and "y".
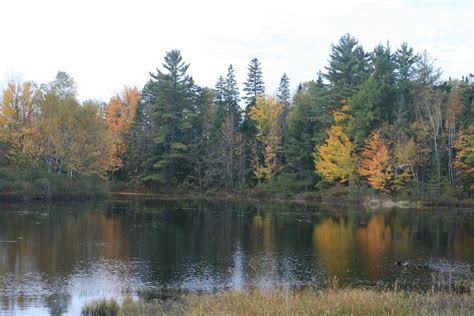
{"x": 55, "y": 257}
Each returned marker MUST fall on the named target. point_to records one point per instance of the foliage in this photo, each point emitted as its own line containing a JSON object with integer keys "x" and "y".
{"x": 120, "y": 112}
{"x": 375, "y": 163}
{"x": 173, "y": 133}
{"x": 334, "y": 160}
{"x": 266, "y": 115}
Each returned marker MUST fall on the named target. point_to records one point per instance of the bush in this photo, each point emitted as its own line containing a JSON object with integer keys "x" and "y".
{"x": 41, "y": 184}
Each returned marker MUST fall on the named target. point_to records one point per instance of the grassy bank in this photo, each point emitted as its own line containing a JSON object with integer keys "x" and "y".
{"x": 21, "y": 185}
{"x": 286, "y": 302}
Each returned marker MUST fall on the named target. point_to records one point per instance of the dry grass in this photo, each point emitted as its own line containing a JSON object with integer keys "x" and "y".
{"x": 308, "y": 302}
{"x": 330, "y": 302}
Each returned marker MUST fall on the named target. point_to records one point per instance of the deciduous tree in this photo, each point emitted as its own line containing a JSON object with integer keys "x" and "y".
{"x": 266, "y": 114}
{"x": 375, "y": 163}
{"x": 334, "y": 160}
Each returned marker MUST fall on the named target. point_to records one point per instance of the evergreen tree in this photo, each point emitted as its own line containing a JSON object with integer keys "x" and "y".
{"x": 383, "y": 65}
{"x": 348, "y": 66}
{"x": 365, "y": 108}
{"x": 141, "y": 149}
{"x": 405, "y": 60}
{"x": 375, "y": 101}
{"x": 299, "y": 139}
{"x": 171, "y": 95}
{"x": 220, "y": 92}
{"x": 232, "y": 95}
{"x": 306, "y": 127}
{"x": 254, "y": 86}
{"x": 205, "y": 134}
{"x": 220, "y": 100}
{"x": 283, "y": 98}
{"x": 319, "y": 81}
{"x": 284, "y": 91}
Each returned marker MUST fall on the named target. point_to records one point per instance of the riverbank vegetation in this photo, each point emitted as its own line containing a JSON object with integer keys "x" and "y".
{"x": 291, "y": 302}
{"x": 373, "y": 121}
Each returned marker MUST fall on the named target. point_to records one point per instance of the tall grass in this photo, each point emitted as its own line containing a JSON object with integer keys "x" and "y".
{"x": 331, "y": 301}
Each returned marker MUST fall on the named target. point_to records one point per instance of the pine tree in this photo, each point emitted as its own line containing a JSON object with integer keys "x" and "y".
{"x": 171, "y": 94}
{"x": 319, "y": 81}
{"x": 220, "y": 92}
{"x": 366, "y": 109}
{"x": 254, "y": 86}
{"x": 348, "y": 66}
{"x": 232, "y": 96}
{"x": 283, "y": 98}
{"x": 283, "y": 95}
{"x": 405, "y": 60}
{"x": 383, "y": 63}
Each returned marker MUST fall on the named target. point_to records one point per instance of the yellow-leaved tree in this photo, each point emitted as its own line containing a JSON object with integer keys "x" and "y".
{"x": 266, "y": 115}
{"x": 375, "y": 162}
{"x": 334, "y": 160}
{"x": 464, "y": 159}
{"x": 19, "y": 123}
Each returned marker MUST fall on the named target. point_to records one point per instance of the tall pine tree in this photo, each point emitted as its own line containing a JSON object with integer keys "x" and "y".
{"x": 232, "y": 96}
{"x": 348, "y": 66}
{"x": 170, "y": 94}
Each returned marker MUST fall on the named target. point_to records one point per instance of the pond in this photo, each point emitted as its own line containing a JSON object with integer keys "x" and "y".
{"x": 55, "y": 257}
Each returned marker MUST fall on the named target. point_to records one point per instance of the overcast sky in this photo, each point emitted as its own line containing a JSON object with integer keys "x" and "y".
{"x": 105, "y": 45}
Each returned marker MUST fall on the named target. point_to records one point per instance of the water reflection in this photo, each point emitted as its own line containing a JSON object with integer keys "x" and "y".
{"x": 55, "y": 257}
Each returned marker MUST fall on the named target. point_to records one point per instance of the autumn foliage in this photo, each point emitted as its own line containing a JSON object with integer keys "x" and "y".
{"x": 375, "y": 162}
{"x": 120, "y": 112}
{"x": 266, "y": 114}
{"x": 334, "y": 160}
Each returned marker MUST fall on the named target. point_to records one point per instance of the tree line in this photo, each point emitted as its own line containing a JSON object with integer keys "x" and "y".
{"x": 380, "y": 119}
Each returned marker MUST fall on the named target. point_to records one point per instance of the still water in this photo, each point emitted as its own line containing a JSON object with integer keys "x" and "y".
{"x": 55, "y": 257}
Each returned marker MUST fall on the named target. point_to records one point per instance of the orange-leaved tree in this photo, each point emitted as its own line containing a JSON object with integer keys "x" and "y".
{"x": 334, "y": 160}
{"x": 121, "y": 111}
{"x": 375, "y": 162}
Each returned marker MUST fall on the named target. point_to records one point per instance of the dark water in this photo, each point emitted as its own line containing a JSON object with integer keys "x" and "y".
{"x": 53, "y": 258}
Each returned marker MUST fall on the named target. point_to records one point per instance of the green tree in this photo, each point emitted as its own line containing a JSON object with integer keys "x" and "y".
{"x": 307, "y": 122}
{"x": 232, "y": 96}
{"x": 283, "y": 98}
{"x": 348, "y": 66}
{"x": 366, "y": 109}
{"x": 405, "y": 60}
{"x": 254, "y": 85}
{"x": 171, "y": 94}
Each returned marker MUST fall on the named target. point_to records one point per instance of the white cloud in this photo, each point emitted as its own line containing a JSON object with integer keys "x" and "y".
{"x": 105, "y": 45}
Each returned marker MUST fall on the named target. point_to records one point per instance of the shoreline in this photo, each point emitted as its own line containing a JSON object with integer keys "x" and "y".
{"x": 368, "y": 201}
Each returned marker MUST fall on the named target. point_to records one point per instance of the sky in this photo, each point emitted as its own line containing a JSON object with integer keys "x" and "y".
{"x": 105, "y": 45}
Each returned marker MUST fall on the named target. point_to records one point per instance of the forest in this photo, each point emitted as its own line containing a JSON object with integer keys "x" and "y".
{"x": 372, "y": 121}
